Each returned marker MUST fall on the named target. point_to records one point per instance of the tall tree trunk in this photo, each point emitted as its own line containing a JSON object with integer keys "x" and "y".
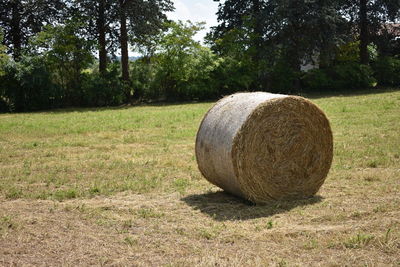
{"x": 364, "y": 38}
{"x": 295, "y": 32}
{"x": 16, "y": 30}
{"x": 258, "y": 30}
{"x": 124, "y": 50}
{"x": 101, "y": 27}
{"x": 257, "y": 43}
{"x": 124, "y": 43}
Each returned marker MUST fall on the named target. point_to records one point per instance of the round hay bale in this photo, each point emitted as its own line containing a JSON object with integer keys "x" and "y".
{"x": 263, "y": 147}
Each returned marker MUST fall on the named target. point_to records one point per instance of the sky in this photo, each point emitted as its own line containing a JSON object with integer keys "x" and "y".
{"x": 196, "y": 11}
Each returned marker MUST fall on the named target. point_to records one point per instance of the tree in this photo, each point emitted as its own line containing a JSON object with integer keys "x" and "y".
{"x": 278, "y": 32}
{"x": 246, "y": 17}
{"x": 241, "y": 35}
{"x": 67, "y": 54}
{"x": 120, "y": 23}
{"x": 139, "y": 19}
{"x": 309, "y": 28}
{"x": 181, "y": 67}
{"x": 123, "y": 6}
{"x": 3, "y": 55}
{"x": 3, "y": 61}
{"x": 21, "y": 19}
{"x": 100, "y": 19}
{"x": 364, "y": 35}
{"x": 177, "y": 54}
{"x": 369, "y": 18}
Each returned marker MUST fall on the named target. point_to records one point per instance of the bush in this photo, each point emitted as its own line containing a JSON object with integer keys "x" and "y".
{"x": 317, "y": 80}
{"x": 199, "y": 84}
{"x": 181, "y": 69}
{"x": 350, "y": 53}
{"x": 345, "y": 76}
{"x": 5, "y": 105}
{"x": 144, "y": 73}
{"x": 168, "y": 77}
{"x": 27, "y": 85}
{"x": 104, "y": 90}
{"x": 387, "y": 71}
{"x": 352, "y": 76}
{"x": 187, "y": 77}
{"x": 283, "y": 79}
{"x": 232, "y": 75}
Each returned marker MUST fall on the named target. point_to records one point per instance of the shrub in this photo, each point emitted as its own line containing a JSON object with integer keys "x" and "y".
{"x": 167, "y": 77}
{"x": 144, "y": 79}
{"x": 98, "y": 90}
{"x": 27, "y": 85}
{"x": 317, "y": 80}
{"x": 4, "y": 101}
{"x": 350, "y": 53}
{"x": 387, "y": 71}
{"x": 232, "y": 75}
{"x": 284, "y": 79}
{"x": 344, "y": 76}
{"x": 352, "y": 76}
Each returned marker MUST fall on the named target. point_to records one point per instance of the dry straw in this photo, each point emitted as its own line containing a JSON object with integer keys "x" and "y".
{"x": 264, "y": 147}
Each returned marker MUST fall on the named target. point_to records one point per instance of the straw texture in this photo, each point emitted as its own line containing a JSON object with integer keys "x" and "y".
{"x": 262, "y": 146}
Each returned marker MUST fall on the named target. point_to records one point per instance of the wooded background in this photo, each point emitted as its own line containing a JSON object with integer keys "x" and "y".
{"x": 63, "y": 53}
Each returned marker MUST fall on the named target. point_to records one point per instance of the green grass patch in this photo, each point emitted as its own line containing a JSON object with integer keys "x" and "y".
{"x": 358, "y": 241}
{"x": 83, "y": 153}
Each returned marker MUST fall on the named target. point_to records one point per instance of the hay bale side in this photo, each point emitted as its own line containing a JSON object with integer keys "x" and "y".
{"x": 262, "y": 146}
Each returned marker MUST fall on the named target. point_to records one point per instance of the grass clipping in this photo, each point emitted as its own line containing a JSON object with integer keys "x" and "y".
{"x": 263, "y": 147}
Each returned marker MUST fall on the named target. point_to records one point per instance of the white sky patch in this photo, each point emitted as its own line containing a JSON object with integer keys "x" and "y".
{"x": 196, "y": 11}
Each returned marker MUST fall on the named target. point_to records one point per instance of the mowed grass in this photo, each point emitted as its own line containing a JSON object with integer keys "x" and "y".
{"x": 60, "y": 155}
{"x": 121, "y": 187}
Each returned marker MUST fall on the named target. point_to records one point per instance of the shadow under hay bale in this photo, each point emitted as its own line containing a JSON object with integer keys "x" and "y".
{"x": 222, "y": 206}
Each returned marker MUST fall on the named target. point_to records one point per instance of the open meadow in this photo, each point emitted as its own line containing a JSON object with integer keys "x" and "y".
{"x": 120, "y": 187}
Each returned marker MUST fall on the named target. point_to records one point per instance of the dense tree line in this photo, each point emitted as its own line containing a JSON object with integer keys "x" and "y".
{"x": 60, "y": 37}
{"x": 62, "y": 53}
{"x": 281, "y": 36}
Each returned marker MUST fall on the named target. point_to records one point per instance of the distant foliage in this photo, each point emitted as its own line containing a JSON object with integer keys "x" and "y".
{"x": 283, "y": 79}
{"x": 345, "y": 76}
{"x": 349, "y": 52}
{"x": 182, "y": 69}
{"x": 65, "y": 53}
{"x": 184, "y": 65}
{"x": 352, "y": 76}
{"x": 232, "y": 75}
{"x": 144, "y": 79}
{"x": 387, "y": 71}
{"x": 317, "y": 80}
{"x": 102, "y": 90}
{"x": 59, "y": 74}
{"x": 4, "y": 60}
{"x": 27, "y": 85}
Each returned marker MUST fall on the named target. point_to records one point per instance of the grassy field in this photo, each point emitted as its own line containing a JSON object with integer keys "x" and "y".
{"x": 118, "y": 187}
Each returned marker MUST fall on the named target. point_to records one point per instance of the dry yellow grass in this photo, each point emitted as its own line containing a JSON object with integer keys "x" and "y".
{"x": 121, "y": 188}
